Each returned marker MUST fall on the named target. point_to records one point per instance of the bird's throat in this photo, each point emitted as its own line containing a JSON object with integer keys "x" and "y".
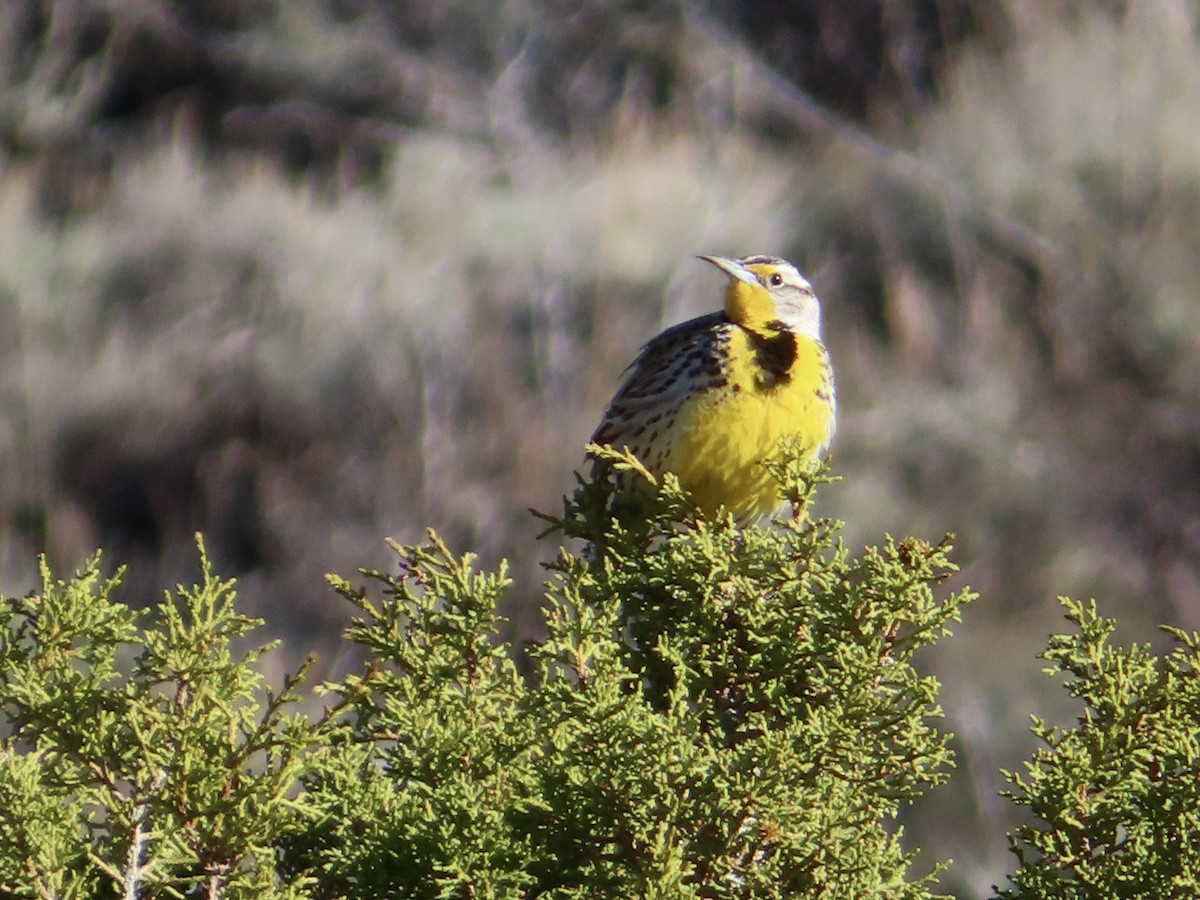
{"x": 749, "y": 305}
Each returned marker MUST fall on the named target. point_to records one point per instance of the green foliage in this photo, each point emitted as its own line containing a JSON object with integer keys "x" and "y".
{"x": 140, "y": 758}
{"x": 419, "y": 794}
{"x": 1115, "y": 799}
{"x": 715, "y": 711}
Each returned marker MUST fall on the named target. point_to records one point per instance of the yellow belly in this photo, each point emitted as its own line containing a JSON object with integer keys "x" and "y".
{"x": 725, "y": 436}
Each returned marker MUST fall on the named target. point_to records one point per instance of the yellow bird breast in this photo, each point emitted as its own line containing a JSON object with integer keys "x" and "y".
{"x": 724, "y": 435}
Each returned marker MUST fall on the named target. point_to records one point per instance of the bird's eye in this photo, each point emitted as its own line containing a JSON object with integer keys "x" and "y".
{"x": 776, "y": 280}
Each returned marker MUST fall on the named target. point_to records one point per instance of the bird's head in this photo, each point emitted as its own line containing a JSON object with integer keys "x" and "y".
{"x": 766, "y": 289}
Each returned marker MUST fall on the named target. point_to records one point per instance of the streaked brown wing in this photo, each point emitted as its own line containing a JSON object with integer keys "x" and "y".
{"x": 672, "y": 366}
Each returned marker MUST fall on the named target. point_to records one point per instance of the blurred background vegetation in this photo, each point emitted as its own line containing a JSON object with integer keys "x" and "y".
{"x": 303, "y": 273}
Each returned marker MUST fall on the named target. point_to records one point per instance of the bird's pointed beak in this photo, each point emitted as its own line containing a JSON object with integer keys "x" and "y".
{"x": 731, "y": 267}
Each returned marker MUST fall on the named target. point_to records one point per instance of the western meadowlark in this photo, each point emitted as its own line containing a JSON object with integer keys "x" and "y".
{"x": 712, "y": 398}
